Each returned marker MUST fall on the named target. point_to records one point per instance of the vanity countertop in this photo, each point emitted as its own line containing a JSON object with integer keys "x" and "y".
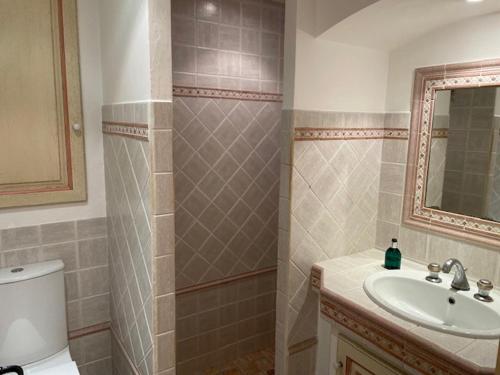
{"x": 340, "y": 282}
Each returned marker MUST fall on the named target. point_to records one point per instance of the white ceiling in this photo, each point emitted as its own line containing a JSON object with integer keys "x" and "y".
{"x": 388, "y": 24}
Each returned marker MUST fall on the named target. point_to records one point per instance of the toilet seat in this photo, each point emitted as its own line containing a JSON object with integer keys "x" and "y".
{"x": 58, "y": 364}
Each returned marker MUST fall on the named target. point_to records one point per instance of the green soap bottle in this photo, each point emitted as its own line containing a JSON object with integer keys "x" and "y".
{"x": 393, "y": 256}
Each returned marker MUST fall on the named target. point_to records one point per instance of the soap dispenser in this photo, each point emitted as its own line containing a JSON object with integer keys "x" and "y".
{"x": 393, "y": 256}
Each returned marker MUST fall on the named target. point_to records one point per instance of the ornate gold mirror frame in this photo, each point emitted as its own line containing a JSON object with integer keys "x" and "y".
{"x": 428, "y": 81}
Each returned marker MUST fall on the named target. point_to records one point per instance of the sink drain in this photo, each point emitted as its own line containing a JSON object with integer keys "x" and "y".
{"x": 451, "y": 300}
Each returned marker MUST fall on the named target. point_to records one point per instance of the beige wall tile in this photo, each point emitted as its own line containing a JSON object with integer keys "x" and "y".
{"x": 95, "y": 310}
{"x": 16, "y": 238}
{"x": 164, "y": 235}
{"x": 93, "y": 281}
{"x": 58, "y": 232}
{"x": 165, "y": 313}
{"x": 163, "y": 195}
{"x": 162, "y": 151}
{"x": 93, "y": 252}
{"x": 165, "y": 356}
{"x": 165, "y": 274}
{"x": 91, "y": 228}
{"x": 67, "y": 252}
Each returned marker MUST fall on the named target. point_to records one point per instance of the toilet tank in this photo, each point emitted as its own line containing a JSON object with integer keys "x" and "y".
{"x": 32, "y": 313}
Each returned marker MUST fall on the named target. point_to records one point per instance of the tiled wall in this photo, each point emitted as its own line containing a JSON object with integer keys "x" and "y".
{"x": 163, "y": 240}
{"x": 81, "y": 245}
{"x": 92, "y": 353}
{"x": 127, "y": 167}
{"x": 229, "y": 44}
{"x": 225, "y": 322}
{"x": 331, "y": 212}
{"x": 226, "y": 163}
{"x": 420, "y": 244}
{"x": 139, "y": 189}
{"x": 468, "y": 151}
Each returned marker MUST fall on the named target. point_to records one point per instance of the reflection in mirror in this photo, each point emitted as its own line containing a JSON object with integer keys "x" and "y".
{"x": 464, "y": 163}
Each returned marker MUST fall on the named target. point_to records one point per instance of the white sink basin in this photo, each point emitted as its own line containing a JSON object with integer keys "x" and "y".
{"x": 409, "y": 296}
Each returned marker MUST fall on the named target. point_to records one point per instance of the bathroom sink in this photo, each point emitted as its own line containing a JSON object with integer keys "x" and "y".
{"x": 408, "y": 295}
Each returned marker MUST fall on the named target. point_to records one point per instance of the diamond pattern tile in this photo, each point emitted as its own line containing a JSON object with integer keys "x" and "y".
{"x": 226, "y": 173}
{"x": 129, "y": 229}
{"x": 335, "y": 188}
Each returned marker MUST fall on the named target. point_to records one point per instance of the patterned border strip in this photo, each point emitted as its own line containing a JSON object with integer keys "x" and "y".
{"x": 201, "y": 92}
{"x": 77, "y": 333}
{"x": 226, "y": 280}
{"x": 316, "y": 278}
{"x": 125, "y": 129}
{"x": 303, "y": 345}
{"x": 326, "y": 134}
{"x": 415, "y": 354}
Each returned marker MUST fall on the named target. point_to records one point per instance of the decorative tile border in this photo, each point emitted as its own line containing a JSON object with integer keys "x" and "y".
{"x": 392, "y": 339}
{"x": 326, "y": 134}
{"x": 316, "y": 278}
{"x": 428, "y": 81}
{"x": 125, "y": 129}
{"x": 86, "y": 331}
{"x": 213, "y": 93}
{"x": 226, "y": 280}
{"x": 303, "y": 345}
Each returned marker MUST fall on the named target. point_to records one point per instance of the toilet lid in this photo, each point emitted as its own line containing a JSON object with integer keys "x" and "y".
{"x": 68, "y": 368}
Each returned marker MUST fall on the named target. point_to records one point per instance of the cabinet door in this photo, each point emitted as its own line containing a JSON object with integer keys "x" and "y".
{"x": 41, "y": 152}
{"x": 357, "y": 361}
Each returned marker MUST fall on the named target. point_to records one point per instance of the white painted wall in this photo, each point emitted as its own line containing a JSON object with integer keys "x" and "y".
{"x": 125, "y": 51}
{"x": 325, "y": 75}
{"x": 330, "y": 12}
{"x": 474, "y": 39}
{"x": 90, "y": 66}
{"x": 338, "y": 77}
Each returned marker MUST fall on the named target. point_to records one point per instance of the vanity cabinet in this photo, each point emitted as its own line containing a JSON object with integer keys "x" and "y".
{"x": 353, "y": 360}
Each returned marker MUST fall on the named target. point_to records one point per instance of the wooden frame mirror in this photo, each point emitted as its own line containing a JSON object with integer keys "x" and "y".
{"x": 430, "y": 84}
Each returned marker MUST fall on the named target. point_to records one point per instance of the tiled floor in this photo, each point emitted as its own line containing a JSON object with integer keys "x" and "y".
{"x": 259, "y": 363}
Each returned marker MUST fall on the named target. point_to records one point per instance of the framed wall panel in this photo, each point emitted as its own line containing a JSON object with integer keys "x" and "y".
{"x": 41, "y": 130}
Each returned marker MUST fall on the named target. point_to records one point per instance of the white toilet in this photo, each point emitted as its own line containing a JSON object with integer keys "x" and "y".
{"x": 33, "y": 330}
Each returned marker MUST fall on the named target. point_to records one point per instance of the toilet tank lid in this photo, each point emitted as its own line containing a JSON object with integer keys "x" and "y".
{"x": 29, "y": 271}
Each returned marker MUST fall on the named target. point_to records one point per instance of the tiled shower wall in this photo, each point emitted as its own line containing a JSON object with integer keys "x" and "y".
{"x": 81, "y": 245}
{"x": 226, "y": 160}
{"x": 226, "y": 169}
{"x": 228, "y": 44}
{"x": 217, "y": 325}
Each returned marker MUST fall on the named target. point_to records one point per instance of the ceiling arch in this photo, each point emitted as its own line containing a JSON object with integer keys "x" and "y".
{"x": 388, "y": 24}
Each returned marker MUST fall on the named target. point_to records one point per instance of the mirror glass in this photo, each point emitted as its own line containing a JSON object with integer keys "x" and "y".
{"x": 464, "y": 162}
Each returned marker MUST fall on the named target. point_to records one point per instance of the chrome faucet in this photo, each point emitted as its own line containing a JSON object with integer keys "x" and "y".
{"x": 460, "y": 280}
